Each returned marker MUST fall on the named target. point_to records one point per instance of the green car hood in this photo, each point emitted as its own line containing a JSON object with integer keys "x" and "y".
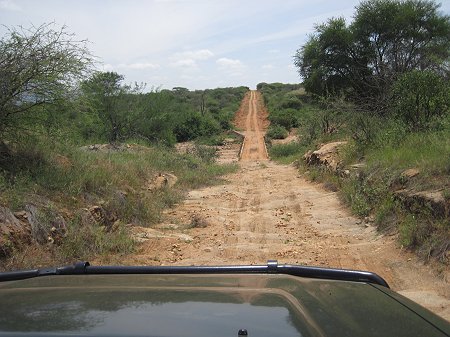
{"x": 208, "y": 305}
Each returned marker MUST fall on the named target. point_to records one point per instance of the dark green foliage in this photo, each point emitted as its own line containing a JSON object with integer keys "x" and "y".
{"x": 38, "y": 70}
{"x": 276, "y": 132}
{"x": 287, "y": 118}
{"x": 284, "y": 102}
{"x": 290, "y": 151}
{"x": 205, "y": 113}
{"x": 189, "y": 128}
{"x": 324, "y": 60}
{"x": 155, "y": 118}
{"x": 162, "y": 117}
{"x": 418, "y": 97}
{"x": 195, "y": 125}
{"x": 386, "y": 39}
{"x": 113, "y": 102}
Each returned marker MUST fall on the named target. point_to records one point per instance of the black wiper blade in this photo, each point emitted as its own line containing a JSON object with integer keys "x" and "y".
{"x": 77, "y": 268}
{"x": 272, "y": 267}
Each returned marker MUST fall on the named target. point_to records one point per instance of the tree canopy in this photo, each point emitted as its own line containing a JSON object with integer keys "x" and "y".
{"x": 38, "y": 68}
{"x": 110, "y": 99}
{"x": 386, "y": 39}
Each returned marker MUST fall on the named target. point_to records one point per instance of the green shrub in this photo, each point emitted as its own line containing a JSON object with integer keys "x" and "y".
{"x": 418, "y": 97}
{"x": 286, "y": 153}
{"x": 82, "y": 242}
{"x": 291, "y": 102}
{"x": 408, "y": 231}
{"x": 353, "y": 194}
{"x": 276, "y": 132}
{"x": 286, "y": 118}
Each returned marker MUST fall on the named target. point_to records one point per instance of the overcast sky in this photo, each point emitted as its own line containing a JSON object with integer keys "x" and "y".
{"x": 195, "y": 44}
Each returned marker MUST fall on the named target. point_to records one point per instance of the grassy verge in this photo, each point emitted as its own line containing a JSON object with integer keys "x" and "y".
{"x": 373, "y": 191}
{"x": 68, "y": 181}
{"x": 397, "y": 164}
{"x": 286, "y": 153}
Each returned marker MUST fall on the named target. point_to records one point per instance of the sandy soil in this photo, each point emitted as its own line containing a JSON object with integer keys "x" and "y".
{"x": 254, "y": 121}
{"x": 269, "y": 211}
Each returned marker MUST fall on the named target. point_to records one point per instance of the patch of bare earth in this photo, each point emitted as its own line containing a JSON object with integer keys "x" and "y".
{"x": 269, "y": 211}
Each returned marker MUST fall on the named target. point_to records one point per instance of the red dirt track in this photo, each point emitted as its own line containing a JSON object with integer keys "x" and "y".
{"x": 270, "y": 211}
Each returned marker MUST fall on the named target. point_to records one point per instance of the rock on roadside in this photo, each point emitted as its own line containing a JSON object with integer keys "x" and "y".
{"x": 13, "y": 232}
{"x": 327, "y": 155}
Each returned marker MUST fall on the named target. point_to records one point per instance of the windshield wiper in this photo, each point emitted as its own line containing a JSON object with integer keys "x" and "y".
{"x": 272, "y": 267}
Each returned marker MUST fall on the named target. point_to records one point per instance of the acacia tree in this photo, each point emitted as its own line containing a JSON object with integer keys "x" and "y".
{"x": 112, "y": 101}
{"x": 38, "y": 68}
{"x": 386, "y": 39}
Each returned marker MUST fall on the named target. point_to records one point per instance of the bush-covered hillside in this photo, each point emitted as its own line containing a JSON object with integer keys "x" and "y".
{"x": 381, "y": 84}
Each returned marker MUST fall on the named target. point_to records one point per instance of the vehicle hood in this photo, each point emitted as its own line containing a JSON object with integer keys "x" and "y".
{"x": 207, "y": 305}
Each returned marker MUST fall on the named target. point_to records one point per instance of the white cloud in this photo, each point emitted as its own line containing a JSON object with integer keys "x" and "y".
{"x": 185, "y": 63}
{"x": 9, "y": 5}
{"x": 229, "y": 63}
{"x": 202, "y": 54}
{"x": 268, "y": 66}
{"x": 189, "y": 58}
{"x": 138, "y": 65}
{"x": 129, "y": 66}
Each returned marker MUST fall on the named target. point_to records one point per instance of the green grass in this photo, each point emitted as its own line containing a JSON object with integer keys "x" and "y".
{"x": 68, "y": 179}
{"x": 428, "y": 152}
{"x": 85, "y": 242}
{"x": 389, "y": 150}
{"x": 286, "y": 153}
{"x": 386, "y": 147}
{"x": 277, "y": 132}
{"x": 419, "y": 227}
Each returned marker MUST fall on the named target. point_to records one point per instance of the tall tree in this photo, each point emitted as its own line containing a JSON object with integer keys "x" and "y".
{"x": 38, "y": 68}
{"x": 386, "y": 39}
{"x": 113, "y": 101}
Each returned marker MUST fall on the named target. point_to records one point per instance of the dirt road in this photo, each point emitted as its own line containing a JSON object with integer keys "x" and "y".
{"x": 254, "y": 123}
{"x": 269, "y": 211}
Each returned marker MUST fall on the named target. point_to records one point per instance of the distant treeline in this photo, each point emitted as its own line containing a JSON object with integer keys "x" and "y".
{"x": 112, "y": 111}
{"x": 48, "y": 84}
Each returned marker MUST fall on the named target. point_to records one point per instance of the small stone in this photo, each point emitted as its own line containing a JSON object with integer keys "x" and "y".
{"x": 410, "y": 173}
{"x": 20, "y": 214}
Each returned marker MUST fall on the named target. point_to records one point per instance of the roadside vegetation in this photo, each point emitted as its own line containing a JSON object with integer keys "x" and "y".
{"x": 380, "y": 83}
{"x": 284, "y": 101}
{"x": 84, "y": 156}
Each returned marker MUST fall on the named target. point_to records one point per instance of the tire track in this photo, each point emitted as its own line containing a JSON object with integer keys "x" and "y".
{"x": 254, "y": 147}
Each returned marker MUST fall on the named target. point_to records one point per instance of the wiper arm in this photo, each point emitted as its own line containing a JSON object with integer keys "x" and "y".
{"x": 77, "y": 268}
{"x": 272, "y": 267}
